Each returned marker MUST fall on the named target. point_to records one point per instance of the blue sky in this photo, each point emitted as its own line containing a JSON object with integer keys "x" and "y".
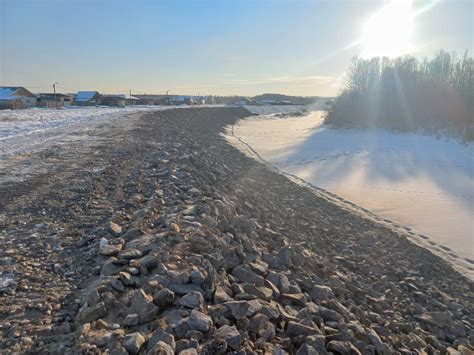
{"x": 242, "y": 47}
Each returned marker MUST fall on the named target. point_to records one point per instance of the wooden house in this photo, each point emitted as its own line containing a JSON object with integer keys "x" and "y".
{"x": 16, "y": 97}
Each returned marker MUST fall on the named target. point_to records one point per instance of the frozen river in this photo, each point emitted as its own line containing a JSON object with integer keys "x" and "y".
{"x": 419, "y": 182}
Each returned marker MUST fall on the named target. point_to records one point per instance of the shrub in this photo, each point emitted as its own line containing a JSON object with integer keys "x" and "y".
{"x": 406, "y": 94}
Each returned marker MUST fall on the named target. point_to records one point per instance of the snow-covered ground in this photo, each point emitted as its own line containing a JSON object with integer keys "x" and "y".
{"x": 25, "y": 132}
{"x": 14, "y": 123}
{"x": 419, "y": 182}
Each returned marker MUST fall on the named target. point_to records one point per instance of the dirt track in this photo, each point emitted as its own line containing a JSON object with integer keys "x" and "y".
{"x": 184, "y": 196}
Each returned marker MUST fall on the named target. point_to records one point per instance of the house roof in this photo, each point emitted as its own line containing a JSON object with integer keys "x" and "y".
{"x": 85, "y": 95}
{"x": 121, "y": 96}
{"x": 11, "y": 92}
{"x": 51, "y": 95}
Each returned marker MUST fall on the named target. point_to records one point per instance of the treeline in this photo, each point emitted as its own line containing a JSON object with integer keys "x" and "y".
{"x": 296, "y": 100}
{"x": 434, "y": 95}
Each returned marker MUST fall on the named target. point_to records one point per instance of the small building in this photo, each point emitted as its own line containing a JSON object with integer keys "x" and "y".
{"x": 132, "y": 100}
{"x": 16, "y": 97}
{"x": 88, "y": 98}
{"x": 119, "y": 100}
{"x": 50, "y": 100}
{"x": 181, "y": 100}
{"x": 114, "y": 100}
{"x": 147, "y": 99}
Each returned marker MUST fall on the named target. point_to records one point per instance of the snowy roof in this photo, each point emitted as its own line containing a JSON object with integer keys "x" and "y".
{"x": 8, "y": 93}
{"x": 85, "y": 95}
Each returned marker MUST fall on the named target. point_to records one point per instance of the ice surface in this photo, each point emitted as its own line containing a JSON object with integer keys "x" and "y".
{"x": 420, "y": 182}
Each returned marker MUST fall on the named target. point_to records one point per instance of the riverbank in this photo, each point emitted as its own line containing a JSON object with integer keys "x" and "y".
{"x": 419, "y": 185}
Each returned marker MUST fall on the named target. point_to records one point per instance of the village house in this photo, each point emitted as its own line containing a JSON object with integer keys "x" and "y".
{"x": 16, "y": 97}
{"x": 88, "y": 98}
{"x": 119, "y": 100}
{"x": 50, "y": 100}
{"x": 114, "y": 100}
{"x": 181, "y": 100}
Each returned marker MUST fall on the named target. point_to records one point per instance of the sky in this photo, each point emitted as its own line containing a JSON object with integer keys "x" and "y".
{"x": 221, "y": 47}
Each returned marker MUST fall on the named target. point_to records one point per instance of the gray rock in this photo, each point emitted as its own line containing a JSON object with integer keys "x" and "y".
{"x": 160, "y": 335}
{"x": 181, "y": 278}
{"x": 142, "y": 304}
{"x": 330, "y": 315}
{"x": 279, "y": 280}
{"x": 93, "y": 298}
{"x": 438, "y": 319}
{"x": 117, "y": 285}
{"x": 110, "y": 249}
{"x": 190, "y": 351}
{"x": 119, "y": 350}
{"x": 199, "y": 321}
{"x": 375, "y": 340}
{"x": 148, "y": 263}
{"x": 240, "y": 309}
{"x": 318, "y": 342}
{"x": 131, "y": 320}
{"x": 164, "y": 297}
{"x": 192, "y": 300}
{"x": 160, "y": 348}
{"x": 245, "y": 274}
{"x": 231, "y": 335}
{"x": 130, "y": 254}
{"x": 259, "y": 267}
{"x": 293, "y": 298}
{"x": 339, "y": 347}
{"x": 217, "y": 347}
{"x": 320, "y": 293}
{"x": 220, "y": 296}
{"x": 93, "y": 313}
{"x": 260, "y": 325}
{"x": 295, "y": 329}
{"x": 126, "y": 278}
{"x": 114, "y": 228}
{"x": 193, "y": 343}
{"x": 110, "y": 267}
{"x": 197, "y": 277}
{"x": 133, "y": 342}
{"x": 194, "y": 334}
{"x": 306, "y": 349}
{"x": 259, "y": 292}
{"x": 182, "y": 289}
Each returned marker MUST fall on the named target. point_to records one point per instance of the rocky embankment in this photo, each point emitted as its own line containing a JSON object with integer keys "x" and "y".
{"x": 181, "y": 244}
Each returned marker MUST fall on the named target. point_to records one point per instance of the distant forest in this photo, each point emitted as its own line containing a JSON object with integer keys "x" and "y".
{"x": 296, "y": 100}
{"x": 434, "y": 96}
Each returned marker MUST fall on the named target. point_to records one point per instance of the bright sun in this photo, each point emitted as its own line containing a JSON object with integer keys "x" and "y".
{"x": 388, "y": 32}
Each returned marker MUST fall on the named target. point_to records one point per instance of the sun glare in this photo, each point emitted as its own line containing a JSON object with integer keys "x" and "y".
{"x": 388, "y": 32}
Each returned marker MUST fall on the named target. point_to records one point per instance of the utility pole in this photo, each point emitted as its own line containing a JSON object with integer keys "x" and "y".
{"x": 55, "y": 98}
{"x": 130, "y": 94}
